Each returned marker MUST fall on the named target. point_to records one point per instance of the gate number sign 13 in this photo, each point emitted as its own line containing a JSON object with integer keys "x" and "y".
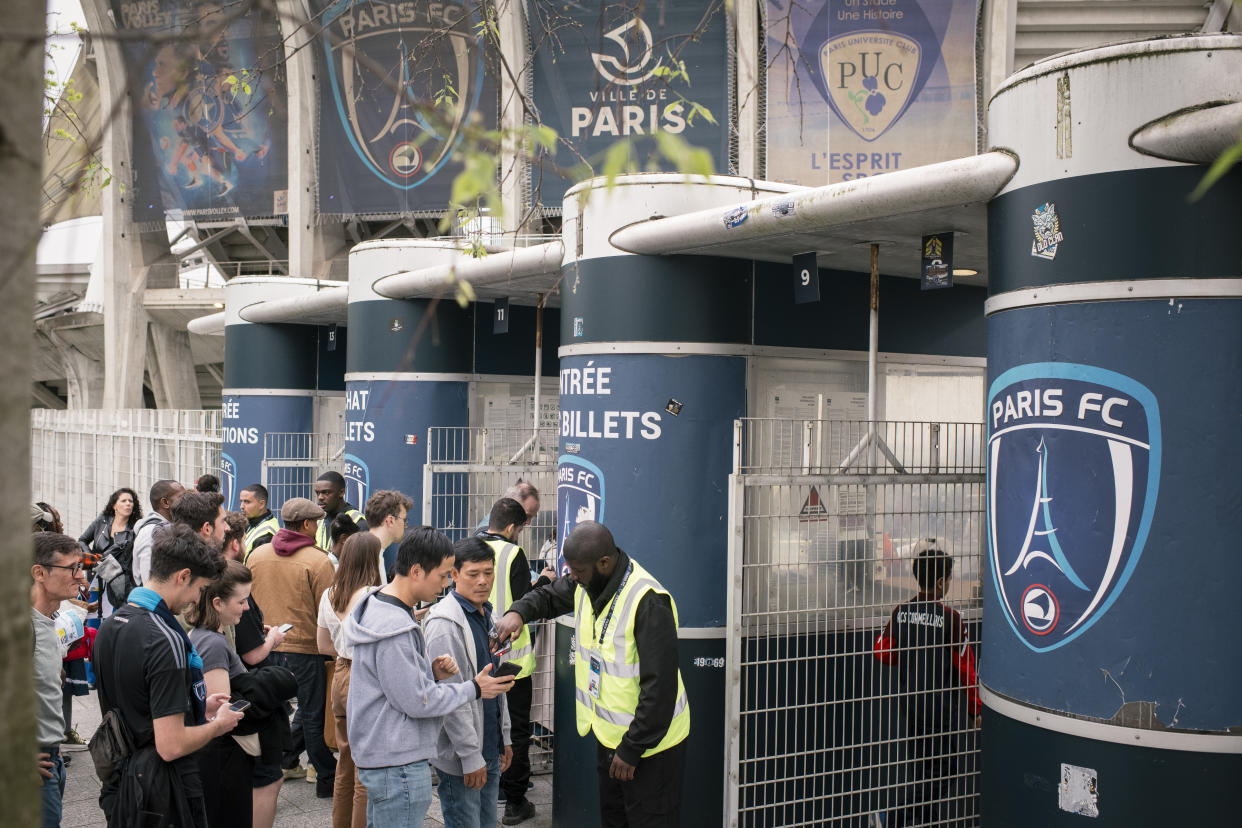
{"x": 806, "y": 278}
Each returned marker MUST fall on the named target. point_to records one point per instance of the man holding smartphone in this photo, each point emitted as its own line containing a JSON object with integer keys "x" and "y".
{"x": 473, "y": 748}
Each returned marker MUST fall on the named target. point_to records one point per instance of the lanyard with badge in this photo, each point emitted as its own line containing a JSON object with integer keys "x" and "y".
{"x": 597, "y": 666}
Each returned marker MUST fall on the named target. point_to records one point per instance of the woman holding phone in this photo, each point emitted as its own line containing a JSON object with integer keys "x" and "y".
{"x": 224, "y": 766}
{"x": 357, "y": 573}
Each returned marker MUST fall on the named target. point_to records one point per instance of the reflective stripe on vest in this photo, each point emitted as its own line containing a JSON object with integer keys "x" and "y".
{"x": 267, "y": 526}
{"x": 610, "y": 715}
{"x": 323, "y": 538}
{"x": 523, "y": 651}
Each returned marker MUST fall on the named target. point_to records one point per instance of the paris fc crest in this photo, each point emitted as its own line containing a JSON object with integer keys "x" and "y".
{"x": 405, "y": 79}
{"x": 357, "y": 480}
{"x": 1073, "y": 470}
{"x": 228, "y": 481}
{"x": 579, "y": 497}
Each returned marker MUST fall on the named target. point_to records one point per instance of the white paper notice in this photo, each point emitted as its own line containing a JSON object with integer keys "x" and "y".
{"x": 1078, "y": 793}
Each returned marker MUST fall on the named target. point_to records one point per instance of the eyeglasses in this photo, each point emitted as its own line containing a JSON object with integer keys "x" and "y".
{"x": 74, "y": 568}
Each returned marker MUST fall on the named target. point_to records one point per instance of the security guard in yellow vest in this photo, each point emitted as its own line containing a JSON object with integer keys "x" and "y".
{"x": 512, "y": 581}
{"x": 330, "y": 495}
{"x": 262, "y": 525}
{"x": 627, "y": 683}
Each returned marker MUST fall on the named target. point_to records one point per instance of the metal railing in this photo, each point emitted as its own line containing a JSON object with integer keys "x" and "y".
{"x": 826, "y": 518}
{"x": 80, "y": 456}
{"x": 467, "y": 471}
{"x": 292, "y": 460}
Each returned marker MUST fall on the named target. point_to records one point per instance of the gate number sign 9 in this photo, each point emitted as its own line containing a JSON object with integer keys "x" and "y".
{"x": 806, "y": 278}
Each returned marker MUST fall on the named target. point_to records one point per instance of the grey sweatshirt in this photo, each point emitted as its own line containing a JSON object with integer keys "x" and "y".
{"x": 395, "y": 705}
{"x": 459, "y": 749}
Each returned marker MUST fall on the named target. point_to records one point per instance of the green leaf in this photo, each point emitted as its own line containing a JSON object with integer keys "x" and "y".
{"x": 1220, "y": 166}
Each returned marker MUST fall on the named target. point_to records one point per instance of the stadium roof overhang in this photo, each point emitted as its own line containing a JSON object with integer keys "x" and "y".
{"x": 841, "y": 221}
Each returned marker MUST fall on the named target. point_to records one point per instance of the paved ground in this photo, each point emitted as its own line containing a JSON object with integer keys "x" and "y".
{"x": 298, "y": 806}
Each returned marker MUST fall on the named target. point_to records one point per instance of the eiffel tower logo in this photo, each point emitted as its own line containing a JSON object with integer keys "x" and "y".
{"x": 1040, "y": 508}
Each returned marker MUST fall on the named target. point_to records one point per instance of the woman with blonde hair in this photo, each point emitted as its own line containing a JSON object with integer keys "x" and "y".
{"x": 357, "y": 573}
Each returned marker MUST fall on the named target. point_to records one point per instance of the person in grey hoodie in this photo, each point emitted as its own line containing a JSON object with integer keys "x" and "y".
{"x": 398, "y": 695}
{"x": 474, "y": 747}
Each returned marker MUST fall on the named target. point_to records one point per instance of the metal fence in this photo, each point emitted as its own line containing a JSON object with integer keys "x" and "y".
{"x": 826, "y": 517}
{"x": 80, "y": 456}
{"x": 293, "y": 460}
{"x": 467, "y": 471}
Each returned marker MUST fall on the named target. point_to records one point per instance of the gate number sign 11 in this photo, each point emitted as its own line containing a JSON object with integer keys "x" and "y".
{"x": 806, "y": 278}
{"x": 500, "y": 321}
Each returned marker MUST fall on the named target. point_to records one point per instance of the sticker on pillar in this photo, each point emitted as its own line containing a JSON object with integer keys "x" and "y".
{"x": 357, "y": 481}
{"x": 228, "y": 480}
{"x": 1048, "y": 233}
{"x": 1073, "y": 472}
{"x": 579, "y": 497}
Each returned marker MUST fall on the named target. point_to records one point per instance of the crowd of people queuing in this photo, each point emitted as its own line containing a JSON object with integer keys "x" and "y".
{"x": 224, "y": 646}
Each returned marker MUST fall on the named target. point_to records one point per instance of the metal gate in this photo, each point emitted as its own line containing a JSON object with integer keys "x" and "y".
{"x": 467, "y": 471}
{"x": 292, "y": 460}
{"x": 825, "y": 517}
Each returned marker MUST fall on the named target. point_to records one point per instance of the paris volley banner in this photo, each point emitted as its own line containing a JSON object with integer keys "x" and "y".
{"x": 207, "y": 87}
{"x": 858, "y": 88}
{"x": 399, "y": 83}
{"x": 610, "y": 72}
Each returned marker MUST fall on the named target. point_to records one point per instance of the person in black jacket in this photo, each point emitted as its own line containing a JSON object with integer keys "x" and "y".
{"x": 112, "y": 533}
{"x": 640, "y": 777}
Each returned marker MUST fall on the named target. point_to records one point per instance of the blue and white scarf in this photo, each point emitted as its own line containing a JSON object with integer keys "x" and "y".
{"x": 151, "y": 601}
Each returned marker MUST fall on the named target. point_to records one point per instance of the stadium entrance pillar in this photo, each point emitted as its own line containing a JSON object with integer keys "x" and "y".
{"x": 652, "y": 377}
{"x": 1115, "y": 347}
{"x": 408, "y": 367}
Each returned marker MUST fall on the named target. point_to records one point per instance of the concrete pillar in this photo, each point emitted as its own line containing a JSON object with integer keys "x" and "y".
{"x": 312, "y": 246}
{"x": 653, "y": 374}
{"x": 270, "y": 381}
{"x": 408, "y": 367}
{"x": 127, "y": 253}
{"x": 170, "y": 364}
{"x": 84, "y": 375}
{"x": 514, "y": 192}
{"x": 1115, "y": 346}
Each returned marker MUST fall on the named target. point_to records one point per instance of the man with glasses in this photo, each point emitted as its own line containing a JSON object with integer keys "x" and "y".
{"x": 58, "y": 574}
{"x": 387, "y": 515}
{"x": 290, "y": 576}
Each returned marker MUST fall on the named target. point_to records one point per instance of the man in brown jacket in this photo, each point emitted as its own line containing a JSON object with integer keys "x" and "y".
{"x": 290, "y": 575}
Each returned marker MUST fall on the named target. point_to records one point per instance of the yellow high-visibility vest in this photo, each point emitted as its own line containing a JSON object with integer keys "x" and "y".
{"x": 523, "y": 651}
{"x": 267, "y": 526}
{"x": 322, "y": 538}
{"x": 610, "y": 715}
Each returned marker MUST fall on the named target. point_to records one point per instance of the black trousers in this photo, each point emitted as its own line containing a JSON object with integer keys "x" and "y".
{"x": 652, "y": 800}
{"x": 225, "y": 770}
{"x": 307, "y": 724}
{"x": 514, "y": 781}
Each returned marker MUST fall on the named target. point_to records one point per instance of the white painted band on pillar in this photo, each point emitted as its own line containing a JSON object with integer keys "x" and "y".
{"x": 276, "y": 392}
{"x": 420, "y": 376}
{"x": 1101, "y": 732}
{"x": 773, "y": 351}
{"x": 1114, "y": 292}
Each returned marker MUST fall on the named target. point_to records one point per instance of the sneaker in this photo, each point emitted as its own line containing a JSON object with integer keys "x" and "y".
{"x": 323, "y": 788}
{"x": 72, "y": 741}
{"x": 518, "y": 812}
{"x": 311, "y": 775}
{"x": 297, "y": 772}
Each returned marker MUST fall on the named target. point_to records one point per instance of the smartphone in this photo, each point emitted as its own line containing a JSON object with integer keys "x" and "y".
{"x": 508, "y": 668}
{"x": 239, "y": 705}
{"x": 284, "y": 628}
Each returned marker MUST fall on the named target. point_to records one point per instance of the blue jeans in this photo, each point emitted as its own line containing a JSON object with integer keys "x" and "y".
{"x": 397, "y": 797}
{"x": 53, "y": 791}
{"x": 466, "y": 808}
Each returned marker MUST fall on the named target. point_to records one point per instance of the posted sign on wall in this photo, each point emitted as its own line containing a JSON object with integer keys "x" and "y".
{"x": 858, "y": 88}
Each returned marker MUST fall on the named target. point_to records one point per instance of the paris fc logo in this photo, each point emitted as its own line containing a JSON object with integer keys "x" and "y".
{"x": 579, "y": 497}
{"x": 1073, "y": 470}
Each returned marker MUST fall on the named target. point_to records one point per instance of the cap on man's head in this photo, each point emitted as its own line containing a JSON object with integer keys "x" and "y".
{"x": 298, "y": 509}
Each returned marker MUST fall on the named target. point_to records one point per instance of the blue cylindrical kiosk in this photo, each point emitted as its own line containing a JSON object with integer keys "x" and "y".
{"x": 270, "y": 378}
{"x": 652, "y": 377}
{"x": 1110, "y": 673}
{"x": 407, "y": 369}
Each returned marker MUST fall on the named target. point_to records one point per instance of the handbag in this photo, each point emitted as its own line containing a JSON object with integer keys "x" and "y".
{"x": 111, "y": 745}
